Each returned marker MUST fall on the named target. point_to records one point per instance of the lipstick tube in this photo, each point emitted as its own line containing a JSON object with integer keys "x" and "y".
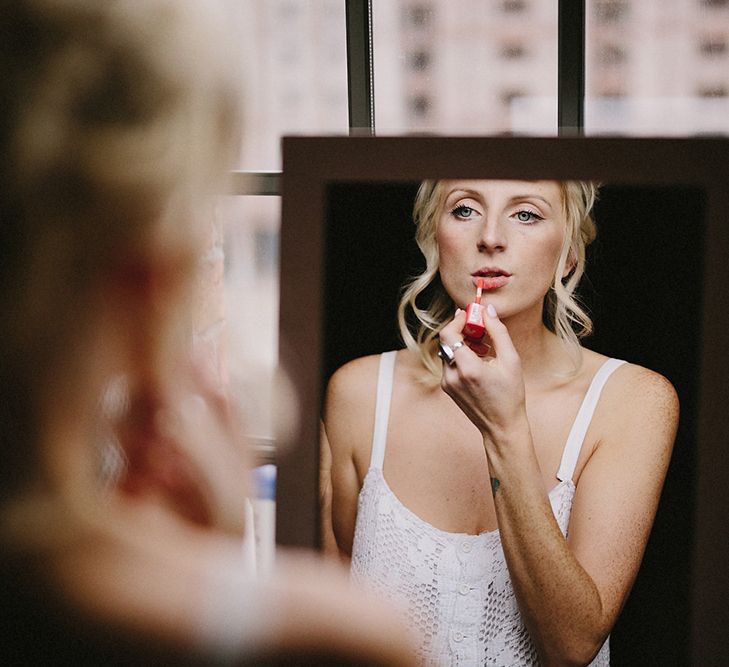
{"x": 474, "y": 329}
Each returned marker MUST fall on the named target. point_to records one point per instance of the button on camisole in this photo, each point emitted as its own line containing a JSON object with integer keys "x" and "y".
{"x": 454, "y": 588}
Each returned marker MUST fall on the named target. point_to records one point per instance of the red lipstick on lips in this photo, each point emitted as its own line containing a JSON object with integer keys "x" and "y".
{"x": 490, "y": 279}
{"x": 474, "y": 329}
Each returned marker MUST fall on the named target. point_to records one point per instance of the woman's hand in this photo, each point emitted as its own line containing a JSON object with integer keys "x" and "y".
{"x": 185, "y": 447}
{"x": 489, "y": 389}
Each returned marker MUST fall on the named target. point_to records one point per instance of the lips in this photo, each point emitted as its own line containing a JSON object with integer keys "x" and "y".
{"x": 490, "y": 277}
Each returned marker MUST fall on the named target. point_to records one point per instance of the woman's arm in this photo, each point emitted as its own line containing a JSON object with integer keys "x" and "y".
{"x": 569, "y": 591}
{"x": 347, "y": 429}
{"x": 328, "y": 540}
{"x": 337, "y": 543}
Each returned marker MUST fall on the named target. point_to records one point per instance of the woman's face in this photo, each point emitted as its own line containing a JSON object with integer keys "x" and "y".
{"x": 509, "y": 233}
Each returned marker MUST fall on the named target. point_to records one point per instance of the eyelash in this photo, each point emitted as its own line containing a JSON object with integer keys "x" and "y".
{"x": 534, "y": 217}
{"x": 459, "y": 211}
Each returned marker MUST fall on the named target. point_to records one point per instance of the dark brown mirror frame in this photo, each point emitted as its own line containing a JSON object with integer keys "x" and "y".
{"x": 311, "y": 165}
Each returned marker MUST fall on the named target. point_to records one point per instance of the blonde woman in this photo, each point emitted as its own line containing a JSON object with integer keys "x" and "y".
{"x": 503, "y": 493}
{"x": 119, "y": 120}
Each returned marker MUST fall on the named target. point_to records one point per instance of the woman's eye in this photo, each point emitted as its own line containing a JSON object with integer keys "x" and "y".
{"x": 527, "y": 216}
{"x": 464, "y": 212}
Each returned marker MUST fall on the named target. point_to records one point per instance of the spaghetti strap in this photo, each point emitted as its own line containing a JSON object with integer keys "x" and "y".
{"x": 584, "y": 417}
{"x": 382, "y": 408}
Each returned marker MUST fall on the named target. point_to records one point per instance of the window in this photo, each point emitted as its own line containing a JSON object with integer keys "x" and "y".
{"x": 438, "y": 65}
{"x": 419, "y": 60}
{"x": 611, "y": 54}
{"x": 418, "y": 15}
{"x": 509, "y": 97}
{"x": 713, "y": 90}
{"x": 610, "y": 11}
{"x": 420, "y": 105}
{"x": 711, "y": 47}
{"x": 294, "y": 70}
{"x": 666, "y": 71}
{"x": 513, "y": 51}
{"x": 514, "y": 6}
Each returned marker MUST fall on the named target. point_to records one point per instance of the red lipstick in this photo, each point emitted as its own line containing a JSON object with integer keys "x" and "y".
{"x": 491, "y": 278}
{"x": 474, "y": 329}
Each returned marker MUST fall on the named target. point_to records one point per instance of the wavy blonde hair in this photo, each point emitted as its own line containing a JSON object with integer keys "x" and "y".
{"x": 562, "y": 314}
{"x": 119, "y": 119}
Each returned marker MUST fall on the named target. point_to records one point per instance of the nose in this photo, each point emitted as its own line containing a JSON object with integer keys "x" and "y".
{"x": 492, "y": 235}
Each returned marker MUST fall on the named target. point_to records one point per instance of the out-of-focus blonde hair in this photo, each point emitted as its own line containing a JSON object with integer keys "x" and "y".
{"x": 118, "y": 118}
{"x": 562, "y": 312}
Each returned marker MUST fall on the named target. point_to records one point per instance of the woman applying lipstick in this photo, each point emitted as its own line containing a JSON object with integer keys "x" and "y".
{"x": 503, "y": 493}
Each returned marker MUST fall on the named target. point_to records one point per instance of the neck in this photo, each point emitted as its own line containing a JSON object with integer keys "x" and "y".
{"x": 542, "y": 353}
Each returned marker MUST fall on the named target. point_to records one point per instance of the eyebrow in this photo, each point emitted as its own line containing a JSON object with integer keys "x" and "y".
{"x": 474, "y": 194}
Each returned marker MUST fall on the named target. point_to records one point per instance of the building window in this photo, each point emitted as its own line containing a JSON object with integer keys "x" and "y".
{"x": 508, "y": 97}
{"x": 713, "y": 91}
{"x": 610, "y": 11}
{"x": 513, "y": 51}
{"x": 419, "y": 105}
{"x": 612, "y": 54}
{"x": 514, "y": 6}
{"x": 419, "y": 61}
{"x": 612, "y": 94}
{"x": 711, "y": 47}
{"x": 418, "y": 15}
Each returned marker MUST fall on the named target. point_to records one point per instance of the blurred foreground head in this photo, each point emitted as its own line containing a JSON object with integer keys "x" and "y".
{"x": 118, "y": 120}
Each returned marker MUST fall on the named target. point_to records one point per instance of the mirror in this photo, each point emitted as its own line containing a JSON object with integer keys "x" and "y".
{"x": 654, "y": 287}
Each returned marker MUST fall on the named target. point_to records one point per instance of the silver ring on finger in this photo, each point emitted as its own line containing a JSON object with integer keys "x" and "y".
{"x": 446, "y": 353}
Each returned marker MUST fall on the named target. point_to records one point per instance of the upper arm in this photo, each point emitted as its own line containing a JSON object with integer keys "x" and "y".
{"x": 328, "y": 539}
{"x": 346, "y": 435}
{"x": 620, "y": 486}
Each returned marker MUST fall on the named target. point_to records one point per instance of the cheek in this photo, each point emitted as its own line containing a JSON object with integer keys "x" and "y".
{"x": 546, "y": 256}
{"x": 448, "y": 248}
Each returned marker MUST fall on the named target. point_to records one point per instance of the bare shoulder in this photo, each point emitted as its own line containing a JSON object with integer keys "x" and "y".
{"x": 640, "y": 403}
{"x": 352, "y": 383}
{"x": 634, "y": 388}
{"x": 349, "y": 409}
{"x": 644, "y": 390}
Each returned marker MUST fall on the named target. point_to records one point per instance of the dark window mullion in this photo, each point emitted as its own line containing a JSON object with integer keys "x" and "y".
{"x": 360, "y": 82}
{"x": 360, "y": 74}
{"x": 571, "y": 67}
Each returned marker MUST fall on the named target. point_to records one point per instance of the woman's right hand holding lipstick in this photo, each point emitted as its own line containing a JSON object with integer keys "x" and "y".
{"x": 488, "y": 389}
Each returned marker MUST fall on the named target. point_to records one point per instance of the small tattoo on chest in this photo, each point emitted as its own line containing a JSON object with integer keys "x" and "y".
{"x": 494, "y": 485}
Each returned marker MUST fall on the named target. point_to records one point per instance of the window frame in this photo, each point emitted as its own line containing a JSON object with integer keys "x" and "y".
{"x": 361, "y": 88}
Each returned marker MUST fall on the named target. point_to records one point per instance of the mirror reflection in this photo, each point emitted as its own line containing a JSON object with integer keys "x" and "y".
{"x": 505, "y": 491}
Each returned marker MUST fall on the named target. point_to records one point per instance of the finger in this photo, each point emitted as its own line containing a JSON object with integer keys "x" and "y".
{"x": 451, "y": 332}
{"x": 503, "y": 347}
{"x": 481, "y": 348}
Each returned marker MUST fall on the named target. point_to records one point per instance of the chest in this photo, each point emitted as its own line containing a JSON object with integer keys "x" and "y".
{"x": 435, "y": 462}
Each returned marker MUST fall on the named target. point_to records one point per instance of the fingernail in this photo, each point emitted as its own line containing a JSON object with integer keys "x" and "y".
{"x": 491, "y": 310}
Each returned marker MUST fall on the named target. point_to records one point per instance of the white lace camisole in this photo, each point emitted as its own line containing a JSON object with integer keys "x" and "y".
{"x": 454, "y": 588}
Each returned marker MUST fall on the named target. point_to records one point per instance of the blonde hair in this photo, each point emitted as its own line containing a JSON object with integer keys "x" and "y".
{"x": 562, "y": 312}
{"x": 118, "y": 118}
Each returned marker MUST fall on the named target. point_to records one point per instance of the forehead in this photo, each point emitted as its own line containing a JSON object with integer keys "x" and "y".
{"x": 501, "y": 189}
